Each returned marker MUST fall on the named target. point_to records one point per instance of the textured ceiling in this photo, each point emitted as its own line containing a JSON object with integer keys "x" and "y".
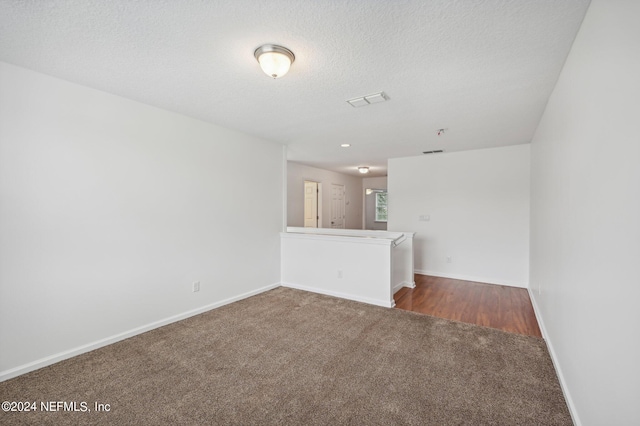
{"x": 481, "y": 69}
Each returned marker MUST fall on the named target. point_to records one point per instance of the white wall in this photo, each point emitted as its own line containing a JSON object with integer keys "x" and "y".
{"x": 374, "y": 183}
{"x": 585, "y": 217}
{"x": 298, "y": 173}
{"x": 110, "y": 209}
{"x": 477, "y": 203}
{"x": 343, "y": 264}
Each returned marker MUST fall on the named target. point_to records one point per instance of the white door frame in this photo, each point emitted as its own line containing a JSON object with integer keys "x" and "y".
{"x": 318, "y": 203}
{"x": 342, "y": 208}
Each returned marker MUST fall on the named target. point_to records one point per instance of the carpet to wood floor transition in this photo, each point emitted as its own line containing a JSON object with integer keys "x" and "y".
{"x": 288, "y": 357}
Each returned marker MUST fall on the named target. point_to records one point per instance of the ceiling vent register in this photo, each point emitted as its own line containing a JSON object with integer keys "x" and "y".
{"x": 368, "y": 100}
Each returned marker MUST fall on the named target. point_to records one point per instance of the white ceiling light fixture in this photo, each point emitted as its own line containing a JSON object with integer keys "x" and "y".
{"x": 274, "y": 60}
{"x": 345, "y": 145}
{"x": 363, "y": 169}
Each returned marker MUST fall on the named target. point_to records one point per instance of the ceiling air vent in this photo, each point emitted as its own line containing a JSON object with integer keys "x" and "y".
{"x": 368, "y": 100}
{"x": 437, "y": 151}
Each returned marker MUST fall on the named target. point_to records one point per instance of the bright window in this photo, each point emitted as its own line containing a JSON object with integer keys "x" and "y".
{"x": 381, "y": 206}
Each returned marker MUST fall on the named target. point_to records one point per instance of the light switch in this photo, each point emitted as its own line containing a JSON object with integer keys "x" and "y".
{"x": 424, "y": 218}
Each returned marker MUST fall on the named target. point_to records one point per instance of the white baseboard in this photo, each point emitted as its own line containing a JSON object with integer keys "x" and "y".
{"x": 486, "y": 280}
{"x": 411, "y": 284}
{"x": 383, "y": 303}
{"x": 43, "y": 362}
{"x": 554, "y": 360}
{"x": 398, "y": 286}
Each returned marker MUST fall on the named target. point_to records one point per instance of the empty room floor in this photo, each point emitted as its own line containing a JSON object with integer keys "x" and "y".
{"x": 496, "y": 306}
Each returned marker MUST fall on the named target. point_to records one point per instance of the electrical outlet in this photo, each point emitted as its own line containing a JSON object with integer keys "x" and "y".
{"x": 448, "y": 259}
{"x": 196, "y": 286}
{"x": 339, "y": 273}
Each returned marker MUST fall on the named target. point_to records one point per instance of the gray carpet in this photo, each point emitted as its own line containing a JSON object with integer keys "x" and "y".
{"x": 288, "y": 357}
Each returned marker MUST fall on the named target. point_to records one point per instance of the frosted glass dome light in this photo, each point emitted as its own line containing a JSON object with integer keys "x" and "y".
{"x": 274, "y": 60}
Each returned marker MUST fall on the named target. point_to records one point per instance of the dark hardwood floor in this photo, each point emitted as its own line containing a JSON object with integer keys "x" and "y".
{"x": 489, "y": 305}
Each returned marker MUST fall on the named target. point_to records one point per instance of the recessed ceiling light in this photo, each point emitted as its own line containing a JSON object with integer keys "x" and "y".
{"x": 345, "y": 145}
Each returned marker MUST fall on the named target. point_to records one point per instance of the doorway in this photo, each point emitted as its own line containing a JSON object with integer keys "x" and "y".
{"x": 312, "y": 203}
{"x": 337, "y": 206}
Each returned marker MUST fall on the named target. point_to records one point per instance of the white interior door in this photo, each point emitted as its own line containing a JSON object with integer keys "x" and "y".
{"x": 337, "y": 206}
{"x": 311, "y": 215}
